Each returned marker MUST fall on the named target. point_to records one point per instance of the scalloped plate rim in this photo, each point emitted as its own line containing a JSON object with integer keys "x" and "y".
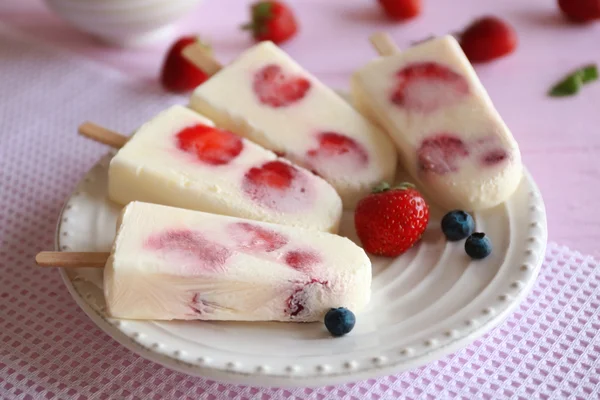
{"x": 272, "y": 380}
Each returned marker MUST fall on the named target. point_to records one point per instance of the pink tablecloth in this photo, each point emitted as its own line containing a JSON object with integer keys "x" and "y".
{"x": 548, "y": 348}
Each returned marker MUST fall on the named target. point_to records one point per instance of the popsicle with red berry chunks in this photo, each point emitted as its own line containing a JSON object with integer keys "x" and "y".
{"x": 180, "y": 159}
{"x": 170, "y": 263}
{"x": 265, "y": 96}
{"x": 449, "y": 135}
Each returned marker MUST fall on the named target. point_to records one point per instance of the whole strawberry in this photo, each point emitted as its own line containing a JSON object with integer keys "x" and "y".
{"x": 272, "y": 20}
{"x": 391, "y": 220}
{"x": 177, "y": 73}
{"x": 488, "y": 38}
{"x": 401, "y": 10}
{"x": 580, "y": 10}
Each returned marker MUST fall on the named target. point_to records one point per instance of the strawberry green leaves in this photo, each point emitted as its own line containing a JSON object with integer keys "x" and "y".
{"x": 571, "y": 84}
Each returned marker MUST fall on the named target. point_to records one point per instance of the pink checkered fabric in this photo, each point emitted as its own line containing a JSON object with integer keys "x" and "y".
{"x": 548, "y": 348}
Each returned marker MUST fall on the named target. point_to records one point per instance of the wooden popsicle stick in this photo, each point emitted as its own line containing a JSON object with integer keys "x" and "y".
{"x": 384, "y": 44}
{"x": 197, "y": 55}
{"x": 102, "y": 135}
{"x": 71, "y": 259}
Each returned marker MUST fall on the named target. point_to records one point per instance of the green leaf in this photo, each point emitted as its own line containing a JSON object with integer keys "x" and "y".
{"x": 567, "y": 87}
{"x": 573, "y": 82}
{"x": 261, "y": 13}
{"x": 262, "y": 10}
{"x": 589, "y": 73}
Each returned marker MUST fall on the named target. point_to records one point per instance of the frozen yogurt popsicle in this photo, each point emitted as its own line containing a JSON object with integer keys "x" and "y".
{"x": 268, "y": 98}
{"x": 180, "y": 159}
{"x": 170, "y": 263}
{"x": 449, "y": 135}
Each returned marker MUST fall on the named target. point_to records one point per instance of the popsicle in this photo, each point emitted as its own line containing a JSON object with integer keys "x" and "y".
{"x": 449, "y": 135}
{"x": 180, "y": 159}
{"x": 168, "y": 263}
{"x": 265, "y": 96}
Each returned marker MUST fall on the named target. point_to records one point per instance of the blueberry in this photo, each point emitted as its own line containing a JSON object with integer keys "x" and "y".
{"x": 457, "y": 225}
{"x": 478, "y": 246}
{"x": 339, "y": 321}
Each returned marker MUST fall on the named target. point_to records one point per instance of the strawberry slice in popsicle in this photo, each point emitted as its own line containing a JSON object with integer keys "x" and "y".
{"x": 450, "y": 137}
{"x": 180, "y": 159}
{"x": 169, "y": 263}
{"x": 265, "y": 96}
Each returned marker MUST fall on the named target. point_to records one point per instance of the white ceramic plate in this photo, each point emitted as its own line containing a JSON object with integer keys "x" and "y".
{"x": 426, "y": 303}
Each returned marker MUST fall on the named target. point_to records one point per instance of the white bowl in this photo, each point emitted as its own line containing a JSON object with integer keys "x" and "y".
{"x": 124, "y": 23}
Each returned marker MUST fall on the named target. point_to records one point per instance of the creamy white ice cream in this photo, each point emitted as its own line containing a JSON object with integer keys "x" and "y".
{"x": 170, "y": 263}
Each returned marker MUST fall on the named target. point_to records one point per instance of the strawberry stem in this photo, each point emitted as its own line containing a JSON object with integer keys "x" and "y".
{"x": 262, "y": 10}
{"x": 404, "y": 186}
{"x": 382, "y": 187}
{"x": 261, "y": 14}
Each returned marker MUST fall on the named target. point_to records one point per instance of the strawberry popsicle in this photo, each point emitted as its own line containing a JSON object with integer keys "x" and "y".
{"x": 170, "y": 263}
{"x": 268, "y": 98}
{"x": 180, "y": 159}
{"x": 449, "y": 135}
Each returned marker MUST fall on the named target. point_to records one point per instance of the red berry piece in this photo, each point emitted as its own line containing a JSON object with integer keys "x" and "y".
{"x": 401, "y": 10}
{"x": 256, "y": 238}
{"x": 428, "y": 86}
{"x": 275, "y": 175}
{"x": 200, "y": 306}
{"x": 272, "y": 20}
{"x": 390, "y": 221}
{"x": 488, "y": 38}
{"x": 276, "y": 89}
{"x": 441, "y": 153}
{"x": 338, "y": 151}
{"x": 580, "y": 10}
{"x": 488, "y": 151}
{"x": 494, "y": 157}
{"x": 302, "y": 260}
{"x": 279, "y": 186}
{"x": 296, "y": 303}
{"x": 177, "y": 73}
{"x": 209, "y": 144}
{"x": 185, "y": 246}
